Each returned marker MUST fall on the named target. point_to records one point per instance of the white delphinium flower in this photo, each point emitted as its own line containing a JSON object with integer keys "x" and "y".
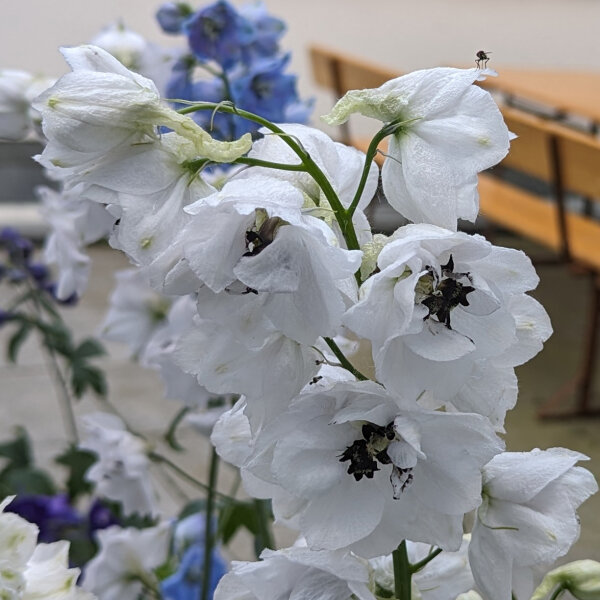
{"x": 527, "y": 517}
{"x": 17, "y": 90}
{"x": 18, "y": 538}
{"x": 297, "y": 572}
{"x": 33, "y": 572}
{"x": 241, "y": 357}
{"x": 368, "y": 472}
{"x": 159, "y": 354}
{"x": 147, "y": 187}
{"x": 121, "y": 472}
{"x": 341, "y": 164}
{"x": 443, "y": 578}
{"x": 14, "y": 107}
{"x": 136, "y": 53}
{"x": 450, "y": 131}
{"x": 48, "y": 576}
{"x": 101, "y": 107}
{"x": 136, "y": 311}
{"x": 441, "y": 303}
{"x": 74, "y": 223}
{"x": 124, "y": 565}
{"x": 254, "y": 235}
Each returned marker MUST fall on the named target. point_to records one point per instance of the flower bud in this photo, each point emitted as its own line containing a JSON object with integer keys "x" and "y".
{"x": 581, "y": 578}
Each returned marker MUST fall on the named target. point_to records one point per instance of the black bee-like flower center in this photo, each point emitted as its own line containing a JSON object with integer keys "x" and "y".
{"x": 442, "y": 294}
{"x": 364, "y": 454}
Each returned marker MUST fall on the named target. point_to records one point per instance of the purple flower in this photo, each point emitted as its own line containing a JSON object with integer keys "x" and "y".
{"x": 100, "y": 517}
{"x": 52, "y": 514}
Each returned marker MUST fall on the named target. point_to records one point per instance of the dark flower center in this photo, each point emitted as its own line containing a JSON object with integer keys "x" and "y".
{"x": 365, "y": 453}
{"x": 442, "y": 294}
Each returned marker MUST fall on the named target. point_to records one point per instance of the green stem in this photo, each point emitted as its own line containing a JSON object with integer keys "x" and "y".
{"x": 310, "y": 166}
{"x": 209, "y": 537}
{"x": 343, "y": 360}
{"x": 557, "y": 592}
{"x": 419, "y": 565}
{"x": 256, "y": 162}
{"x": 65, "y": 401}
{"x": 263, "y": 510}
{"x": 371, "y": 152}
{"x": 402, "y": 573}
{"x": 159, "y": 458}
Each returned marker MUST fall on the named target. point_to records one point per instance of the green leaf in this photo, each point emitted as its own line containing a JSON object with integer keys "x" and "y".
{"x": 16, "y": 341}
{"x": 18, "y": 450}
{"x": 48, "y": 305}
{"x": 234, "y": 515}
{"x": 28, "y": 481}
{"x": 88, "y": 348}
{"x": 84, "y": 376}
{"x": 57, "y": 337}
{"x": 77, "y": 462}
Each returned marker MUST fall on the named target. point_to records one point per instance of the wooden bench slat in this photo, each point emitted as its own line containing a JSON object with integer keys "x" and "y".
{"x": 537, "y": 219}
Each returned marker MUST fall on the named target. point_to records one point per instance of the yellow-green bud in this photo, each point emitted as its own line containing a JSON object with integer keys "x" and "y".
{"x": 581, "y": 578}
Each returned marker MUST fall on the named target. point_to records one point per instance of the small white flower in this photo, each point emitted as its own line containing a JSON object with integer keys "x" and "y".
{"x": 74, "y": 223}
{"x": 126, "y": 558}
{"x": 297, "y": 572}
{"x": 135, "y": 313}
{"x": 136, "y": 53}
{"x": 48, "y": 576}
{"x": 527, "y": 517}
{"x": 367, "y": 473}
{"x": 441, "y": 303}
{"x": 14, "y": 107}
{"x": 121, "y": 472}
{"x": 452, "y": 130}
{"x": 102, "y": 107}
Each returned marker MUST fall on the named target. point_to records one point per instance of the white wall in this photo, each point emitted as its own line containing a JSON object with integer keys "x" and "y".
{"x": 399, "y": 33}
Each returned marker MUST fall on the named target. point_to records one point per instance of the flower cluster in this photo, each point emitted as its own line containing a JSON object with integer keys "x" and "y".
{"x": 264, "y": 285}
{"x": 234, "y": 56}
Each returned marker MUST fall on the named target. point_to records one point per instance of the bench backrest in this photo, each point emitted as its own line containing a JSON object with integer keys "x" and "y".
{"x": 554, "y": 152}
{"x": 341, "y": 72}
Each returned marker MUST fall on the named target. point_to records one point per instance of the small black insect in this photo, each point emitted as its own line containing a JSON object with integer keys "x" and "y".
{"x": 482, "y": 57}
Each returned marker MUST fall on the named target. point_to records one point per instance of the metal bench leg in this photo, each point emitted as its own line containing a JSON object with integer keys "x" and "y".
{"x": 581, "y": 387}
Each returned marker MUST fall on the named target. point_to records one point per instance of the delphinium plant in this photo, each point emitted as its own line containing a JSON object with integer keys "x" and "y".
{"x": 261, "y": 286}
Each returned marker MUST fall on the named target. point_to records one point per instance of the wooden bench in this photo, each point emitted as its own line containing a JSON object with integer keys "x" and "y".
{"x": 566, "y": 160}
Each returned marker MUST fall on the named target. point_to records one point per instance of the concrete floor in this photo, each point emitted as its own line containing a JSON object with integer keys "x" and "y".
{"x": 27, "y": 394}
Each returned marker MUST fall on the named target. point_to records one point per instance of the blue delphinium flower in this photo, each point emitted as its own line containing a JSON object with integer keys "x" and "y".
{"x": 234, "y": 57}
{"x": 265, "y": 90}
{"x": 218, "y": 32}
{"x": 188, "y": 546}
{"x": 267, "y": 31}
{"x": 172, "y": 15}
{"x": 186, "y": 582}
